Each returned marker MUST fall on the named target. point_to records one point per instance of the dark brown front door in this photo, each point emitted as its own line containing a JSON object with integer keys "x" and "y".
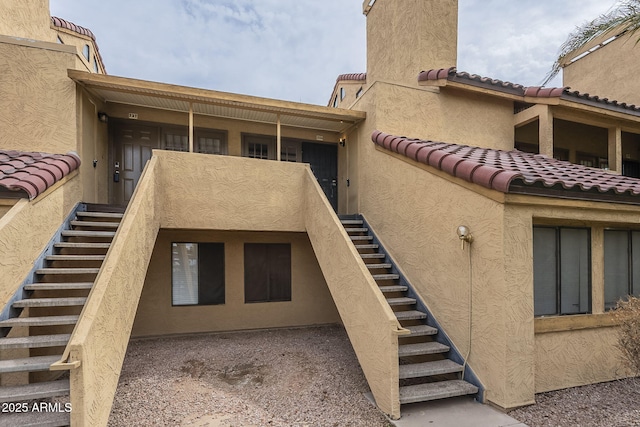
{"x": 131, "y": 151}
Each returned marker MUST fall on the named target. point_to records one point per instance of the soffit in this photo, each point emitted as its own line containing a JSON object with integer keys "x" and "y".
{"x": 213, "y": 103}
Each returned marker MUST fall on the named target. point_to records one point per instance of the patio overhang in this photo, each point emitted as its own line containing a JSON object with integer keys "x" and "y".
{"x": 142, "y": 93}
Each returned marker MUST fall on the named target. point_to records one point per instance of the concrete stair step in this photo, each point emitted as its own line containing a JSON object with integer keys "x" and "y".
{"x": 421, "y": 348}
{"x": 71, "y": 270}
{"x": 386, "y": 276}
{"x": 387, "y": 289}
{"x": 373, "y": 256}
{"x": 356, "y": 230}
{"x": 97, "y": 224}
{"x": 50, "y": 302}
{"x": 361, "y": 238}
{"x": 401, "y": 301}
{"x": 436, "y": 390}
{"x": 367, "y": 246}
{"x": 427, "y": 369}
{"x": 36, "y": 341}
{"x": 114, "y": 215}
{"x": 29, "y": 364}
{"x": 420, "y": 330}
{"x": 81, "y": 245}
{"x": 378, "y": 266}
{"x": 34, "y": 391}
{"x": 39, "y": 419}
{"x": 351, "y": 221}
{"x": 64, "y": 286}
{"x": 39, "y": 321}
{"x": 86, "y": 233}
{"x": 75, "y": 258}
{"x": 410, "y": 315}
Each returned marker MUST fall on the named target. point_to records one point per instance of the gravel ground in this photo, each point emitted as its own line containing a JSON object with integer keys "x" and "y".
{"x": 612, "y": 404}
{"x": 293, "y": 377}
{"x": 302, "y": 377}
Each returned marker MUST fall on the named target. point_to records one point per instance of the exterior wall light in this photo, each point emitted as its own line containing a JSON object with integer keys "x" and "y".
{"x": 343, "y": 141}
{"x": 103, "y": 117}
{"x": 464, "y": 234}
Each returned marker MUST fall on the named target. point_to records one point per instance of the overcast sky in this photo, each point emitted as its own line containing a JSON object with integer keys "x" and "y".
{"x": 295, "y": 49}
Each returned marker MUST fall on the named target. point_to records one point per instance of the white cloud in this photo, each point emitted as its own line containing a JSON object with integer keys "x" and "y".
{"x": 294, "y": 49}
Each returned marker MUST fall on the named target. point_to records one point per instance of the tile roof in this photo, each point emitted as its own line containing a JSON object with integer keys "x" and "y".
{"x": 28, "y": 174}
{"x": 515, "y": 171}
{"x": 353, "y": 77}
{"x": 63, "y": 23}
{"x": 451, "y": 74}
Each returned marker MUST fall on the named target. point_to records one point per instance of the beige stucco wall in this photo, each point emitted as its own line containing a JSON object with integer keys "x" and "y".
{"x": 99, "y": 341}
{"x": 27, "y": 228}
{"x": 310, "y": 304}
{"x": 446, "y": 115}
{"x": 400, "y": 43}
{"x": 92, "y": 145}
{"x": 38, "y": 102}
{"x": 370, "y": 323}
{"x": 230, "y": 193}
{"x": 607, "y": 72}
{"x": 27, "y": 19}
{"x": 569, "y": 350}
{"x": 416, "y": 215}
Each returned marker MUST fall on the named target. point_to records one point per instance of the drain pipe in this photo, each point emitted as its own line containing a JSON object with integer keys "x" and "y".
{"x": 465, "y": 236}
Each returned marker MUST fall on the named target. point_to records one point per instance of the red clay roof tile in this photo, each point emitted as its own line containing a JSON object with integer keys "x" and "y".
{"x": 26, "y": 174}
{"x": 515, "y": 171}
{"x": 452, "y": 74}
{"x": 352, "y": 77}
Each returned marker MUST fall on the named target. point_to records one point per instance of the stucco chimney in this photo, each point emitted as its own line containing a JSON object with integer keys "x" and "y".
{"x": 405, "y": 37}
{"x": 28, "y": 19}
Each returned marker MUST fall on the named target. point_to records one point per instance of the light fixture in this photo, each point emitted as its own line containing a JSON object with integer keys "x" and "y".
{"x": 343, "y": 141}
{"x": 103, "y": 117}
{"x": 464, "y": 234}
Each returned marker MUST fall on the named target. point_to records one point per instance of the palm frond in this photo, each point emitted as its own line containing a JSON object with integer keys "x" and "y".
{"x": 624, "y": 18}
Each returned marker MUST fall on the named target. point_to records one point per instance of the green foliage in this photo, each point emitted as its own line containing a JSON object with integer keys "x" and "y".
{"x": 623, "y": 18}
{"x": 627, "y": 312}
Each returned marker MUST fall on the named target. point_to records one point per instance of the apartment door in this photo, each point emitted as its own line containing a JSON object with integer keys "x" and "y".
{"x": 323, "y": 159}
{"x": 132, "y": 147}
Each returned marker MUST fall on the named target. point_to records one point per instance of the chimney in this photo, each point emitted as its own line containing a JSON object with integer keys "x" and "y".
{"x": 405, "y": 37}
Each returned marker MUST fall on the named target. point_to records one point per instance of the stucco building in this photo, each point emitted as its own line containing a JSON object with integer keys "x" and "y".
{"x": 246, "y": 213}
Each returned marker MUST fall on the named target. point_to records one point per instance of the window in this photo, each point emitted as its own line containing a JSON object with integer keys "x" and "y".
{"x": 343, "y": 93}
{"x": 176, "y": 141}
{"x": 197, "y": 273}
{"x": 259, "y": 147}
{"x": 85, "y": 51}
{"x": 621, "y": 265}
{"x": 561, "y": 270}
{"x": 335, "y": 102}
{"x": 359, "y": 92}
{"x": 60, "y": 40}
{"x": 267, "y": 272}
{"x": 95, "y": 65}
{"x": 211, "y": 142}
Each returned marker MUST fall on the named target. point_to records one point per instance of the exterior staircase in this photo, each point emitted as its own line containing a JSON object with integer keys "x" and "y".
{"x": 430, "y": 368}
{"x": 44, "y": 313}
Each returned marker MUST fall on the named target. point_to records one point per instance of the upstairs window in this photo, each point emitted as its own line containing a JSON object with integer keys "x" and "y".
{"x": 259, "y": 147}
{"x": 86, "y": 52}
{"x": 561, "y": 270}
{"x": 211, "y": 142}
{"x": 359, "y": 92}
{"x": 335, "y": 102}
{"x": 621, "y": 265}
{"x": 96, "y": 69}
{"x": 174, "y": 141}
{"x": 343, "y": 93}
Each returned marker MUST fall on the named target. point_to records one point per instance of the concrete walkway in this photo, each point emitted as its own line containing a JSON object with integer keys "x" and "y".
{"x": 456, "y": 412}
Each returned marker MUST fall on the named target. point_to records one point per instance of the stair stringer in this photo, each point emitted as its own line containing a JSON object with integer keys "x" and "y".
{"x": 370, "y": 323}
{"x": 441, "y": 337}
{"x": 8, "y": 311}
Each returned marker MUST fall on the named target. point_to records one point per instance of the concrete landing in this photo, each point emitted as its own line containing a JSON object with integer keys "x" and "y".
{"x": 454, "y": 412}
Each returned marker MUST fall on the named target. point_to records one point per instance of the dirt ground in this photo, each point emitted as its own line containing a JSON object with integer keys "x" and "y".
{"x": 293, "y": 377}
